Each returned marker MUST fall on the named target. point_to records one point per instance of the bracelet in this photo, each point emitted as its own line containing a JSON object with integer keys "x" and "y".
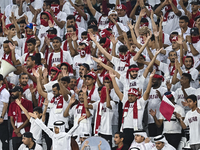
{"x": 189, "y": 43}
{"x": 29, "y": 4}
{"x": 143, "y": 7}
{"x": 1, "y": 117}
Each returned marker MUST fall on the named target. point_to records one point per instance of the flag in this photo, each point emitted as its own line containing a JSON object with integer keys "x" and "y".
{"x": 166, "y": 108}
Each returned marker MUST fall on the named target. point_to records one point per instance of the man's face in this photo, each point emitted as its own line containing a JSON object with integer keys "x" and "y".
{"x": 90, "y": 30}
{"x": 197, "y": 22}
{"x": 143, "y": 36}
{"x": 84, "y": 37}
{"x": 134, "y": 74}
{"x": 99, "y": 66}
{"x": 191, "y": 103}
{"x": 81, "y": 97}
{"x": 131, "y": 41}
{"x": 109, "y": 83}
{"x": 188, "y": 63}
{"x": 31, "y": 47}
{"x": 12, "y": 31}
{"x": 82, "y": 71}
{"x": 183, "y": 24}
{"x": 160, "y": 145}
{"x": 6, "y": 48}
{"x": 172, "y": 56}
{"x": 89, "y": 81}
{"x": 117, "y": 139}
{"x": 22, "y": 27}
{"x": 132, "y": 98}
{"x": 23, "y": 80}
{"x": 45, "y": 17}
{"x": 175, "y": 45}
{"x": 29, "y": 31}
{"x": 71, "y": 22}
{"x": 26, "y": 140}
{"x": 139, "y": 138}
{"x": 56, "y": 44}
{"x": 195, "y": 7}
{"x": 53, "y": 73}
{"x": 114, "y": 16}
{"x": 56, "y": 130}
{"x": 64, "y": 68}
{"x": 65, "y": 83}
{"x": 55, "y": 92}
{"x": 72, "y": 83}
{"x": 155, "y": 82}
{"x": 15, "y": 95}
{"x": 121, "y": 12}
{"x": 184, "y": 80}
{"x": 29, "y": 62}
{"x": 70, "y": 30}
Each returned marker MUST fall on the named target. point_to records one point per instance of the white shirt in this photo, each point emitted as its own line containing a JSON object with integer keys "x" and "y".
{"x": 192, "y": 119}
{"x": 102, "y": 21}
{"x": 184, "y": 34}
{"x": 85, "y": 125}
{"x": 56, "y": 58}
{"x": 197, "y": 93}
{"x": 142, "y": 145}
{"x": 95, "y": 95}
{"x": 78, "y": 60}
{"x": 179, "y": 96}
{"x": 56, "y": 116}
{"x": 128, "y": 117}
{"x": 154, "y": 102}
{"x": 197, "y": 57}
{"x": 23, "y": 57}
{"x": 124, "y": 20}
{"x": 4, "y": 98}
{"x": 61, "y": 16}
{"x": 173, "y": 126}
{"x": 23, "y": 147}
{"x": 61, "y": 141}
{"x": 81, "y": 22}
{"x": 106, "y": 117}
{"x": 36, "y": 131}
{"x": 172, "y": 22}
{"x": 66, "y": 8}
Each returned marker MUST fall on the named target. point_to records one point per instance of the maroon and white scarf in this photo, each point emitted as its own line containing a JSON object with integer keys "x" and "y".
{"x": 59, "y": 104}
{"x": 51, "y": 56}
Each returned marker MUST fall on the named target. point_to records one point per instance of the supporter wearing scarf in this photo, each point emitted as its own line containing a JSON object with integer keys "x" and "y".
{"x": 100, "y": 69}
{"x": 59, "y": 106}
{"x": 91, "y": 87}
{"x": 40, "y": 101}
{"x": 69, "y": 67}
{"x": 29, "y": 34}
{"x": 114, "y": 16}
{"x": 55, "y": 8}
{"x": 125, "y": 58}
{"x": 107, "y": 45}
{"x": 54, "y": 69}
{"x": 28, "y": 54}
{"x": 45, "y": 22}
{"x": 134, "y": 92}
{"x": 84, "y": 48}
{"x": 168, "y": 9}
{"x": 9, "y": 58}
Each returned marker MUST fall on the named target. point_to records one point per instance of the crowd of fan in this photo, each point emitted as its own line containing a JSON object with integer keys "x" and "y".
{"x": 85, "y": 68}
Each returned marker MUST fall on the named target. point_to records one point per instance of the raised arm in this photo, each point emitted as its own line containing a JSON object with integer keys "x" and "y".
{"x": 116, "y": 87}
{"x": 84, "y": 89}
{"x": 108, "y": 105}
{"x": 92, "y": 10}
{"x": 132, "y": 14}
{"x": 175, "y": 9}
{"x": 15, "y": 62}
{"x": 137, "y": 25}
{"x": 22, "y": 108}
{"x": 45, "y": 110}
{"x": 158, "y": 11}
{"x": 72, "y": 100}
{"x": 80, "y": 12}
{"x": 86, "y": 101}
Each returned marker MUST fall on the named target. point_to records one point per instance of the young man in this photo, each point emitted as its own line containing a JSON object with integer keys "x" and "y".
{"x": 4, "y": 100}
{"x": 192, "y": 119}
{"x": 172, "y": 128}
{"x": 184, "y": 91}
{"x": 29, "y": 142}
{"x": 183, "y": 24}
{"x": 118, "y": 139}
{"x": 58, "y": 56}
{"x": 162, "y": 144}
{"x": 18, "y": 120}
{"x": 61, "y": 139}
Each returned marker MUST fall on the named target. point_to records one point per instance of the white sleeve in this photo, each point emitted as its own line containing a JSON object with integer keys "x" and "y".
{"x": 22, "y": 58}
{"x": 38, "y": 4}
{"x": 63, "y": 16}
{"x": 97, "y": 16}
{"x": 41, "y": 55}
{"x": 67, "y": 57}
{"x": 95, "y": 105}
{"x": 66, "y": 8}
{"x": 115, "y": 60}
{"x": 186, "y": 119}
{"x": 44, "y": 127}
{"x": 5, "y": 96}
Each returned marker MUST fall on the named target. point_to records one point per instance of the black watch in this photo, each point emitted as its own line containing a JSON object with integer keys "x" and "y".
{"x": 1, "y": 116}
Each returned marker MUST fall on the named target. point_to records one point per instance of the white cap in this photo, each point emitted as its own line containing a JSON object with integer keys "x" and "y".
{"x": 160, "y": 138}
{"x": 141, "y": 132}
{"x": 112, "y": 12}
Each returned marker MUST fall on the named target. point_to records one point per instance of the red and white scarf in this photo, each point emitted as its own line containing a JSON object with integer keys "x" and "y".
{"x": 25, "y": 88}
{"x": 51, "y": 56}
{"x": 40, "y": 101}
{"x": 173, "y": 69}
{"x": 2, "y": 87}
{"x": 90, "y": 94}
{"x": 99, "y": 110}
{"x": 168, "y": 9}
{"x": 27, "y": 55}
{"x": 59, "y": 104}
{"x": 9, "y": 59}
{"x": 55, "y": 8}
{"x": 27, "y": 38}
{"x": 83, "y": 112}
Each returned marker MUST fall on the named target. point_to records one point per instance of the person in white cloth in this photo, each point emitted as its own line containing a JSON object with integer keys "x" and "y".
{"x": 162, "y": 144}
{"x": 60, "y": 139}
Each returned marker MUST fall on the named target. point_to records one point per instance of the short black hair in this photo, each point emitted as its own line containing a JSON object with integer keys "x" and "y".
{"x": 74, "y": 28}
{"x": 195, "y": 19}
{"x": 190, "y": 58}
{"x": 99, "y": 89}
{"x": 1, "y": 77}
{"x": 94, "y": 27}
{"x": 56, "y": 1}
{"x": 31, "y": 40}
{"x": 66, "y": 78}
{"x": 33, "y": 58}
{"x": 71, "y": 17}
{"x": 48, "y": 3}
{"x": 93, "y": 20}
{"x": 82, "y": 91}
{"x": 57, "y": 86}
{"x": 152, "y": 37}
{"x": 102, "y": 40}
{"x": 143, "y": 20}
{"x": 82, "y": 44}
{"x": 57, "y": 38}
{"x": 187, "y": 75}
{"x": 84, "y": 33}
{"x": 174, "y": 32}
{"x": 185, "y": 18}
{"x": 38, "y": 109}
{"x": 7, "y": 41}
{"x": 132, "y": 66}
{"x": 121, "y": 134}
{"x": 123, "y": 48}
{"x": 22, "y": 21}
{"x": 192, "y": 97}
{"x": 22, "y": 75}
{"x": 12, "y": 26}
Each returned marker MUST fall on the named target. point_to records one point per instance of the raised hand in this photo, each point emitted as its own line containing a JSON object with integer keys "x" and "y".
{"x": 81, "y": 118}
{"x": 18, "y": 101}
{"x": 72, "y": 99}
{"x": 98, "y": 60}
{"x": 130, "y": 25}
{"x": 84, "y": 88}
{"x": 36, "y": 74}
{"x": 149, "y": 35}
{"x": 46, "y": 102}
{"x": 147, "y": 140}
{"x": 152, "y": 113}
{"x": 33, "y": 115}
{"x": 168, "y": 84}
{"x": 11, "y": 46}
{"x": 177, "y": 64}
{"x": 142, "y": 12}
{"x": 86, "y": 143}
{"x": 93, "y": 37}
{"x": 153, "y": 73}
{"x": 184, "y": 103}
{"x": 158, "y": 51}
{"x": 177, "y": 115}
{"x": 113, "y": 40}
{"x": 74, "y": 37}
{"x": 180, "y": 40}
{"x": 111, "y": 73}
{"x": 45, "y": 72}
{"x": 32, "y": 89}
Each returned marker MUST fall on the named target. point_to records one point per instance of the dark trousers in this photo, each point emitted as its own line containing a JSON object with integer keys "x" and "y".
{"x": 173, "y": 139}
{"x": 16, "y": 142}
{"x": 154, "y": 130}
{"x": 4, "y": 135}
{"x": 108, "y": 138}
{"x": 128, "y": 136}
{"x": 48, "y": 140}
